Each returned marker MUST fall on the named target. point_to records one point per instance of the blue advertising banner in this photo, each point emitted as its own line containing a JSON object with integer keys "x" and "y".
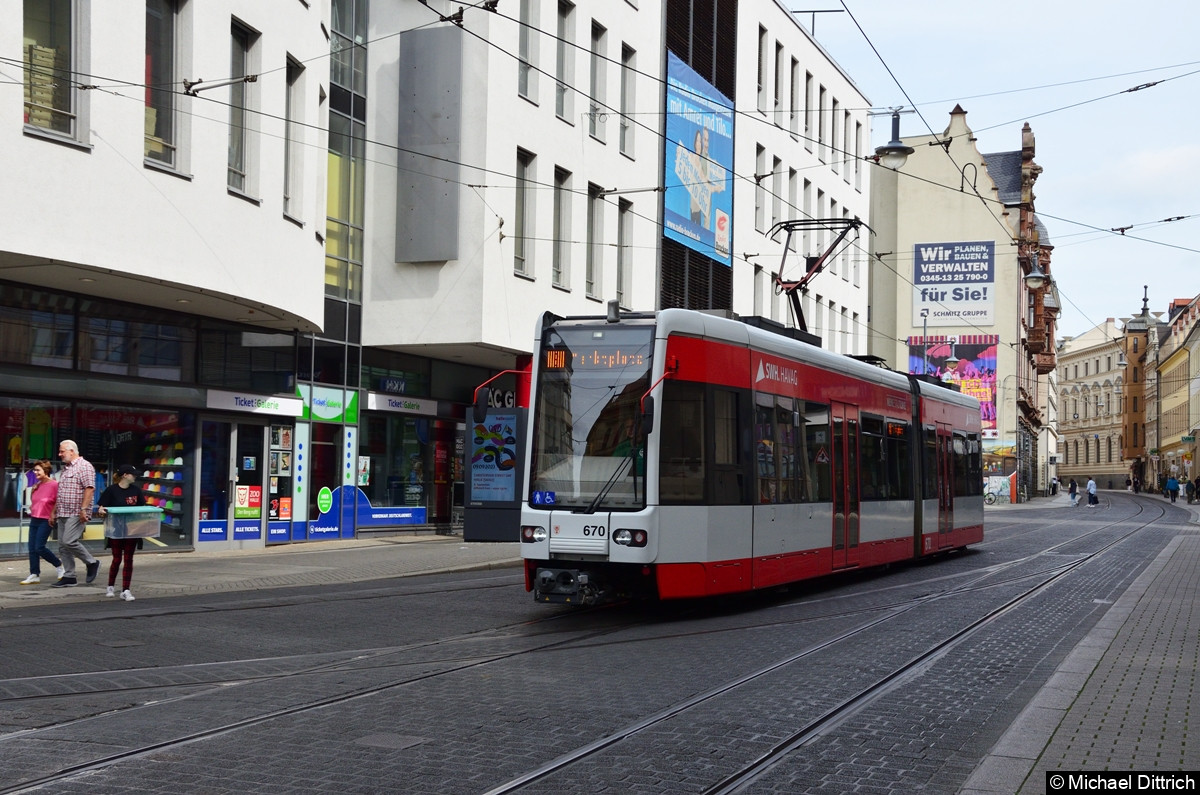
{"x": 698, "y": 202}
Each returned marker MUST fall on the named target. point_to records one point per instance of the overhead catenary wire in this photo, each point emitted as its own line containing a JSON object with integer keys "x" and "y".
{"x": 740, "y": 113}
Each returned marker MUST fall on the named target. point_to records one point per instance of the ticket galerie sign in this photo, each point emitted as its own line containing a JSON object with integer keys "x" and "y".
{"x": 954, "y": 284}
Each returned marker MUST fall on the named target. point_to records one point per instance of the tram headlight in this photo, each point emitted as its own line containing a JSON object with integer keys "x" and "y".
{"x": 629, "y": 538}
{"x": 532, "y": 533}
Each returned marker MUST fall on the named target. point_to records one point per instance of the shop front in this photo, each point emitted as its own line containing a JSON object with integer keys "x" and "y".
{"x": 160, "y": 442}
{"x": 409, "y": 470}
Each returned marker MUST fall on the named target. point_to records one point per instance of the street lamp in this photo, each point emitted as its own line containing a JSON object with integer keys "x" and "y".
{"x": 894, "y": 154}
{"x": 1035, "y": 279}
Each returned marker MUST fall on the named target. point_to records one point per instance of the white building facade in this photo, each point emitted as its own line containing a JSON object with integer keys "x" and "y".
{"x": 802, "y": 126}
{"x": 290, "y": 239}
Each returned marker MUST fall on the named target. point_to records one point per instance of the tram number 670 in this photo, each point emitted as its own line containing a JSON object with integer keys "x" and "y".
{"x": 597, "y": 530}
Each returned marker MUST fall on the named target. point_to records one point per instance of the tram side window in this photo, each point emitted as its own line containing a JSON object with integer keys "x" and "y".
{"x": 930, "y": 465}
{"x": 962, "y": 469}
{"x": 681, "y": 462}
{"x": 885, "y": 472}
{"x": 974, "y": 465}
{"x": 727, "y": 475}
{"x": 899, "y": 468}
{"x": 874, "y": 485}
{"x": 777, "y": 466}
{"x": 814, "y": 452}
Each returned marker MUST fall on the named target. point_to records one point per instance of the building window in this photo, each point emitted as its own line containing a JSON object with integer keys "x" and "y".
{"x": 49, "y": 59}
{"x": 560, "y": 268}
{"x": 808, "y": 110}
{"x": 821, "y": 138}
{"x": 794, "y": 99}
{"x": 628, "y": 73}
{"x": 161, "y": 17}
{"x": 239, "y": 62}
{"x": 762, "y": 69}
{"x": 564, "y": 63}
{"x": 596, "y": 80}
{"x": 760, "y": 192}
{"x": 624, "y": 243}
{"x": 778, "y": 87}
{"x": 835, "y": 118}
{"x": 293, "y": 156}
{"x": 595, "y": 240}
{"x": 345, "y": 203}
{"x": 858, "y": 156}
{"x": 776, "y": 190}
{"x": 527, "y": 50}
{"x": 523, "y": 216}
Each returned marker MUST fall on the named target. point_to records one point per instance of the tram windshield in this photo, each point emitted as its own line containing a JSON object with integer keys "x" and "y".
{"x": 588, "y": 450}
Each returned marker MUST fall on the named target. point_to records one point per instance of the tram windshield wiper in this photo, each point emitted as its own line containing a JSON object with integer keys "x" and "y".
{"x": 618, "y": 473}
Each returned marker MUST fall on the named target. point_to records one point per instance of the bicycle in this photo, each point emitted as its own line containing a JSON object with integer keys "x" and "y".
{"x": 989, "y": 498}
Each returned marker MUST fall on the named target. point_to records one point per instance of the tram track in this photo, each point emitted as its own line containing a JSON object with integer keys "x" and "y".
{"x": 366, "y": 659}
{"x": 829, "y": 719}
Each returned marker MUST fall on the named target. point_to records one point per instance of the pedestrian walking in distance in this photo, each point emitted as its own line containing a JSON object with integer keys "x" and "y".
{"x": 122, "y": 494}
{"x": 1073, "y": 490}
{"x": 76, "y": 488}
{"x": 1093, "y": 500}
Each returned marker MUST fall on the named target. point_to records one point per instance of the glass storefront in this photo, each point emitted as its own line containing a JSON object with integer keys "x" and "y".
{"x": 412, "y": 462}
{"x": 158, "y": 443}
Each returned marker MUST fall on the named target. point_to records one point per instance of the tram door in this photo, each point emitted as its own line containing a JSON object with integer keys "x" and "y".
{"x": 845, "y": 485}
{"x": 945, "y": 479}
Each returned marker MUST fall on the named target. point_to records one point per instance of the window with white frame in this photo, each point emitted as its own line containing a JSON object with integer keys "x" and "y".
{"x": 835, "y": 263}
{"x": 808, "y": 110}
{"x": 523, "y": 214}
{"x": 858, "y": 155}
{"x": 560, "y": 268}
{"x": 593, "y": 276}
{"x": 628, "y": 73}
{"x": 624, "y": 250}
{"x": 821, "y": 114}
{"x": 845, "y": 153}
{"x": 793, "y": 201}
{"x": 239, "y": 66}
{"x": 161, "y": 25}
{"x": 49, "y": 54}
{"x": 564, "y": 62}
{"x": 760, "y": 191}
{"x": 762, "y": 69}
{"x": 597, "y": 79}
{"x": 776, "y": 191}
{"x": 794, "y": 98}
{"x": 835, "y": 118}
{"x": 527, "y": 49}
{"x": 293, "y": 150}
{"x": 777, "y": 88}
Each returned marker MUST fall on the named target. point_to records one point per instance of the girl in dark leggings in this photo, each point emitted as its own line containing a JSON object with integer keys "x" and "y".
{"x": 122, "y": 494}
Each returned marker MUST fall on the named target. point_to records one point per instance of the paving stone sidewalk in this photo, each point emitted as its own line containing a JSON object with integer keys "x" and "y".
{"x": 165, "y": 574}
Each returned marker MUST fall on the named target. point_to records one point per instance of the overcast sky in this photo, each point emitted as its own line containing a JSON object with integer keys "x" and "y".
{"x": 1110, "y": 159}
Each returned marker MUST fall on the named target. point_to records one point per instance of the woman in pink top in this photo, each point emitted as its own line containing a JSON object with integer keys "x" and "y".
{"x": 41, "y": 509}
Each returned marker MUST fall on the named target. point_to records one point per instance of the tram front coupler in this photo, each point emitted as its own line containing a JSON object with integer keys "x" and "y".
{"x": 565, "y": 586}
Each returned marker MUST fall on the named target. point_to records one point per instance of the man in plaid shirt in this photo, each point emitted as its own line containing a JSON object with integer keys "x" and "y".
{"x": 76, "y": 487}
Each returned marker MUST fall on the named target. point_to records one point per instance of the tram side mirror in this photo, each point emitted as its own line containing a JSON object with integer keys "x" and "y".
{"x": 647, "y": 415}
{"x": 479, "y": 410}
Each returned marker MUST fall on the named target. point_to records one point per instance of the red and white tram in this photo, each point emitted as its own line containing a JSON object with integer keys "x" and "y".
{"x": 683, "y": 454}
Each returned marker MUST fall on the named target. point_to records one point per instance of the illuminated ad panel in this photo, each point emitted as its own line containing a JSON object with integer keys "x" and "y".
{"x": 698, "y": 202}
